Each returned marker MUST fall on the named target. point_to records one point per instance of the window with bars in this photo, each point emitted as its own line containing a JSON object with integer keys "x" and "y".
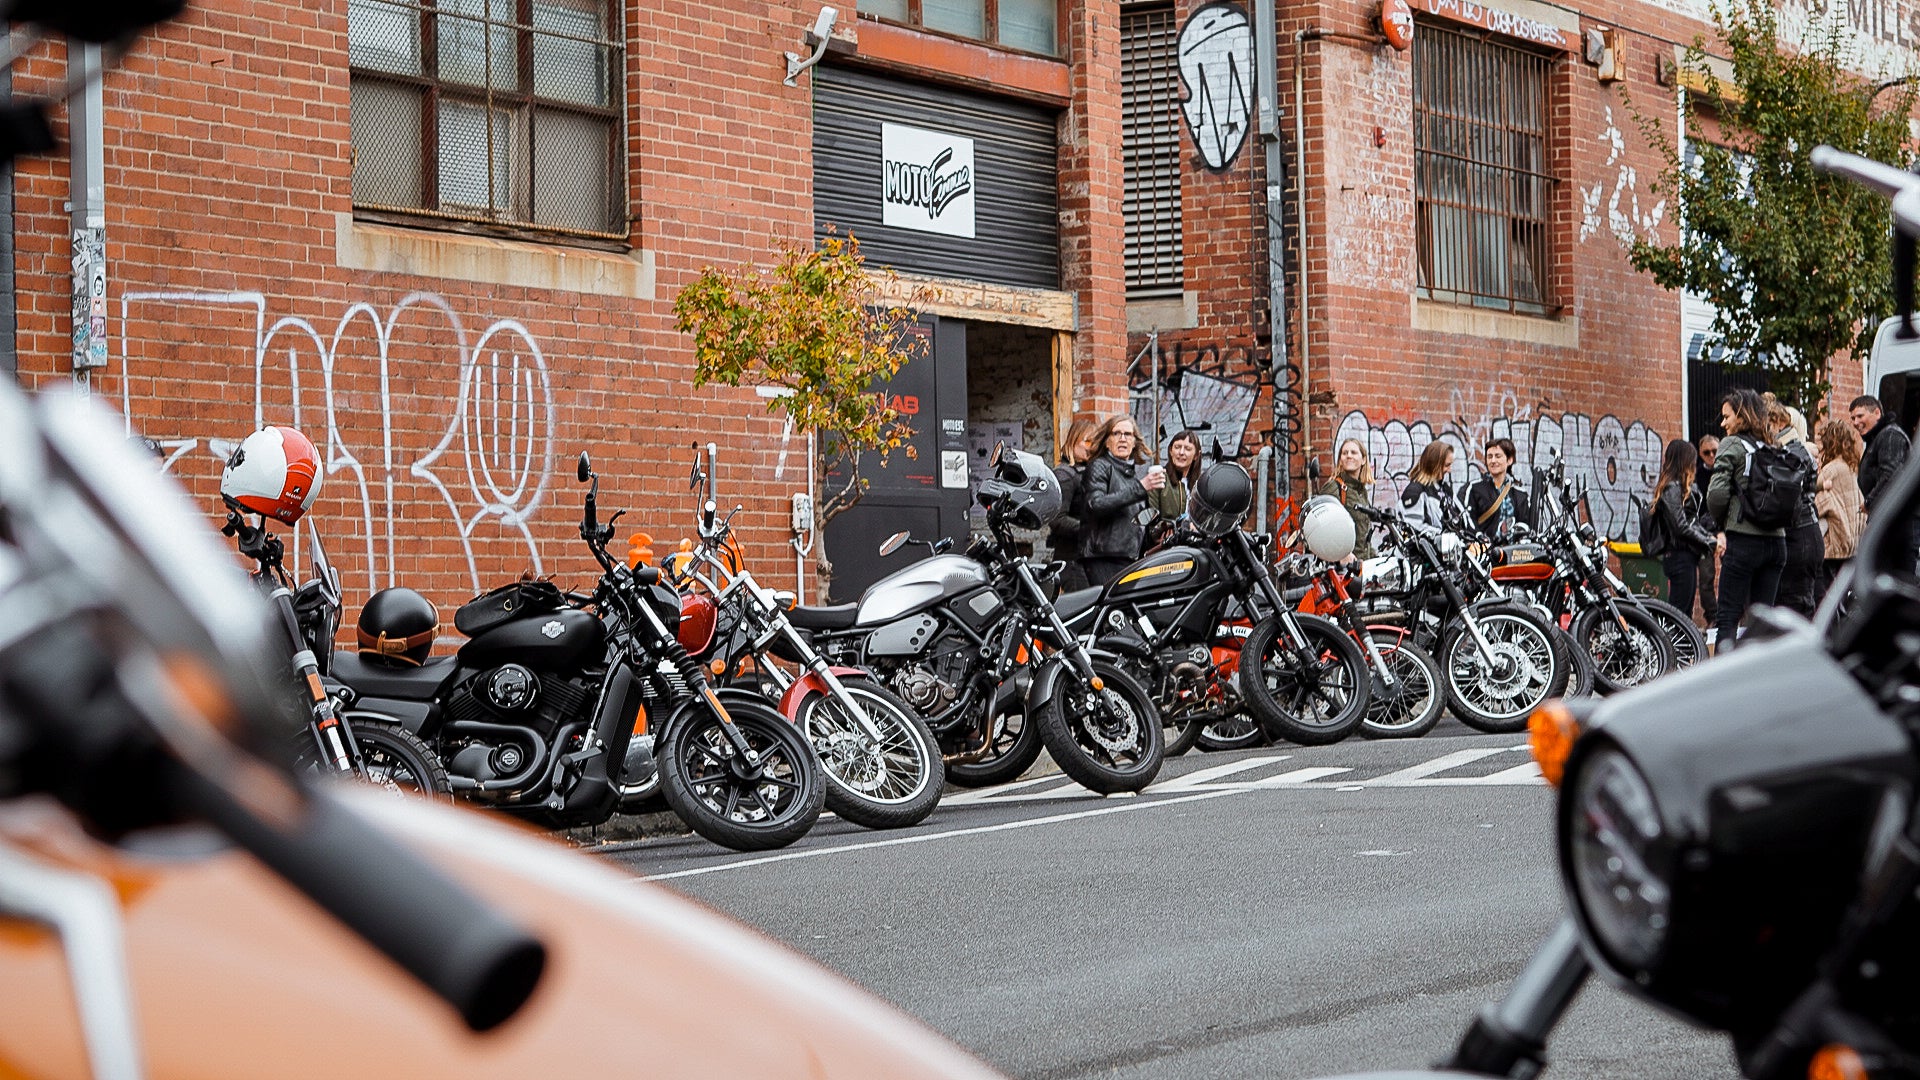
{"x": 507, "y": 112}
{"x": 1028, "y": 25}
{"x": 1483, "y": 189}
{"x": 1150, "y": 147}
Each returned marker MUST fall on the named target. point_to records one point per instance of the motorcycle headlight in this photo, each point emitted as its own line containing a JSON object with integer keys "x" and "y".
{"x": 1621, "y": 865}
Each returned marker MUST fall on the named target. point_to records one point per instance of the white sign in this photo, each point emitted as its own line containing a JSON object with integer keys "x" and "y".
{"x": 953, "y": 468}
{"x": 926, "y": 180}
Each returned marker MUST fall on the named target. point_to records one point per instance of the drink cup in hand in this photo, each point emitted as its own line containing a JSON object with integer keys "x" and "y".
{"x": 1156, "y": 478}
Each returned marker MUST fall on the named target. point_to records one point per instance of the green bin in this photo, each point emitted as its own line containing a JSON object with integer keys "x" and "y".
{"x": 1643, "y": 574}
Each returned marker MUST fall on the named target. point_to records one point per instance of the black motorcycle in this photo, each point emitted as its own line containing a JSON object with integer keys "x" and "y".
{"x": 1208, "y": 622}
{"x": 1733, "y": 858}
{"x": 537, "y": 713}
{"x": 974, "y": 644}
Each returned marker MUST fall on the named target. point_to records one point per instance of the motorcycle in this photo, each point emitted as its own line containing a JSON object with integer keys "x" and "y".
{"x": 1562, "y": 566}
{"x": 1498, "y": 657}
{"x": 881, "y": 761}
{"x": 1173, "y": 613}
{"x": 1731, "y": 859}
{"x": 975, "y": 644}
{"x": 538, "y": 711}
{"x": 1407, "y": 693}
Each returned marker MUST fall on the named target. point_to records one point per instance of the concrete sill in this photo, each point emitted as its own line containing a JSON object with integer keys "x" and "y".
{"x": 1453, "y": 319}
{"x": 359, "y": 245}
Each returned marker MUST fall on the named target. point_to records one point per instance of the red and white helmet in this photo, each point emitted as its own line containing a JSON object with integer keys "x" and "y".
{"x": 274, "y": 471}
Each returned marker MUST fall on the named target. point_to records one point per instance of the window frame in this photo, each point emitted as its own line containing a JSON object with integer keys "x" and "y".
{"x": 1527, "y": 176}
{"x": 521, "y": 104}
{"x": 916, "y": 20}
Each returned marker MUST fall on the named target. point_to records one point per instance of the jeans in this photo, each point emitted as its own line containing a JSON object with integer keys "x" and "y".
{"x": 1749, "y": 574}
{"x": 1800, "y": 578}
{"x": 1681, "y": 567}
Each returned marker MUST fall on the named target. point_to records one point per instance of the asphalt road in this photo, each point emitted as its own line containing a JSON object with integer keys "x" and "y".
{"x": 1281, "y": 912}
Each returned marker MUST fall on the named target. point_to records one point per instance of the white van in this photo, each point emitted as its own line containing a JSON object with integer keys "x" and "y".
{"x": 1893, "y": 372}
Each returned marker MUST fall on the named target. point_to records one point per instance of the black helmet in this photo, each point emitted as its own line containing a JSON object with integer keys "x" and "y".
{"x": 1021, "y": 491}
{"x": 398, "y": 624}
{"x": 1220, "y": 501}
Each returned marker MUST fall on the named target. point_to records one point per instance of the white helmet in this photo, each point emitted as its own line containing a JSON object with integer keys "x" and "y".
{"x": 1327, "y": 529}
{"x": 274, "y": 471}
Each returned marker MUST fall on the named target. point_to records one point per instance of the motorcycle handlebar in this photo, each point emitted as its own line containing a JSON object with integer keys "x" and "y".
{"x": 1897, "y": 184}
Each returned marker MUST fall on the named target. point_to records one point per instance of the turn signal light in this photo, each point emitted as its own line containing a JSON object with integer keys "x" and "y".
{"x": 1551, "y": 732}
{"x": 719, "y": 666}
{"x": 1836, "y": 1062}
{"x": 640, "y": 721}
{"x": 1098, "y": 684}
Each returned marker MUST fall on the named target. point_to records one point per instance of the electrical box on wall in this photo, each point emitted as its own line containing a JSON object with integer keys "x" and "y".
{"x": 1605, "y": 49}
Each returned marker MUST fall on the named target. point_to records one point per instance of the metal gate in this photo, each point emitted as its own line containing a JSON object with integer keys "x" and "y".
{"x": 1707, "y": 382}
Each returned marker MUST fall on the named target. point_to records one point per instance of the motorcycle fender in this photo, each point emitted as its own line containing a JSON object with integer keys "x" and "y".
{"x": 411, "y": 715}
{"x": 813, "y": 684}
{"x": 1047, "y": 681}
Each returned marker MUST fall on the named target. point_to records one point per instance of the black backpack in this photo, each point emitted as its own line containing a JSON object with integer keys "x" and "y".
{"x": 1771, "y": 486}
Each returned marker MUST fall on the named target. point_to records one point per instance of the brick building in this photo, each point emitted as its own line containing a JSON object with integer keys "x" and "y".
{"x": 445, "y": 240}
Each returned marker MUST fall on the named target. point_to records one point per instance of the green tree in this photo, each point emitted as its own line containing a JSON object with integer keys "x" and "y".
{"x": 1796, "y": 261}
{"x": 817, "y": 326}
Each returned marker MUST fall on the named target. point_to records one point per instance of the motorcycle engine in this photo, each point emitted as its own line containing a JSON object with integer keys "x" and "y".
{"x": 931, "y": 682}
{"x": 511, "y": 695}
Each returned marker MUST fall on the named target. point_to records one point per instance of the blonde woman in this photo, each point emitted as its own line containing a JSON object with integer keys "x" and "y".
{"x": 1837, "y": 496}
{"x": 1352, "y": 484}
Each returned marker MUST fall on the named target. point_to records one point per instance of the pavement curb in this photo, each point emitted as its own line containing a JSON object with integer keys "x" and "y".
{"x": 624, "y": 831}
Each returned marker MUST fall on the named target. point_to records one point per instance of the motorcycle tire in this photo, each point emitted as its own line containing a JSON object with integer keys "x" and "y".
{"x": 889, "y": 786}
{"x": 1419, "y": 697}
{"x": 1689, "y": 644}
{"x": 1501, "y": 705}
{"x": 1179, "y": 736}
{"x": 1234, "y": 732}
{"x": 772, "y": 808}
{"x": 1016, "y": 746}
{"x": 1579, "y": 665}
{"x": 396, "y": 759}
{"x": 1622, "y": 659}
{"x": 1121, "y": 752}
{"x": 1315, "y": 706}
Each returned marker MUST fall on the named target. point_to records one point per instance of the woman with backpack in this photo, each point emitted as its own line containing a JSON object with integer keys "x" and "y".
{"x": 1675, "y": 533}
{"x": 1752, "y": 553}
{"x": 1806, "y": 554}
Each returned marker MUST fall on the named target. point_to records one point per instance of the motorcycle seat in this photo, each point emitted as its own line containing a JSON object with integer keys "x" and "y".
{"x": 1077, "y": 603}
{"x": 834, "y": 617}
{"x": 371, "y": 676}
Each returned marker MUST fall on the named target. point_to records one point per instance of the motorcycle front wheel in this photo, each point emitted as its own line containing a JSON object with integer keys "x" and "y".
{"x": 1108, "y": 739}
{"x": 888, "y": 783}
{"x": 1689, "y": 644}
{"x": 1419, "y": 694}
{"x": 1622, "y": 657}
{"x": 395, "y": 759}
{"x": 1526, "y": 669}
{"x": 1235, "y": 731}
{"x": 745, "y": 805}
{"x": 1310, "y": 699}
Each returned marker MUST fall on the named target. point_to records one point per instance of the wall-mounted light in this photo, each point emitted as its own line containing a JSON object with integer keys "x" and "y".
{"x": 822, "y": 33}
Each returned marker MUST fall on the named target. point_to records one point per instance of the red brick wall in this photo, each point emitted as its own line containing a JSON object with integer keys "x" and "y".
{"x": 227, "y": 152}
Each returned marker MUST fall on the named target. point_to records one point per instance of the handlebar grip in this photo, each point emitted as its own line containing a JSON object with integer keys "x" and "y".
{"x": 472, "y": 957}
{"x": 706, "y": 515}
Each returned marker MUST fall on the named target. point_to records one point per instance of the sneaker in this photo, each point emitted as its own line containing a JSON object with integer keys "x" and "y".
{"x": 1713, "y": 636}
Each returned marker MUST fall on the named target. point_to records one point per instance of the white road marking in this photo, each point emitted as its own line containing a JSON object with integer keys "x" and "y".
{"x": 995, "y": 793}
{"x": 1199, "y": 779}
{"x": 1428, "y": 768}
{"x": 788, "y": 856}
{"x": 1301, "y": 776}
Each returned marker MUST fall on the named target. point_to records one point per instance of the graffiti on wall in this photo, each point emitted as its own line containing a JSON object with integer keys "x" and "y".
{"x": 486, "y": 456}
{"x": 1216, "y": 67}
{"x": 1623, "y": 217}
{"x": 1618, "y": 459}
{"x": 1880, "y": 35}
{"x": 1209, "y": 389}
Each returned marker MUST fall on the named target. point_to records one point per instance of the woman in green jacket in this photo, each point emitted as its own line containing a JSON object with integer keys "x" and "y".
{"x": 1352, "y": 484}
{"x": 1751, "y": 556}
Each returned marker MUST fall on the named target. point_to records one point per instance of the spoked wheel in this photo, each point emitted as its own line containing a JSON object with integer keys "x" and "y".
{"x": 1497, "y": 694}
{"x": 1015, "y": 747}
{"x": 1688, "y": 643}
{"x": 1107, "y": 739}
{"x": 766, "y": 802}
{"x": 1626, "y": 656}
{"x": 1235, "y": 731}
{"x": 1579, "y": 665}
{"x": 1311, "y": 699}
{"x": 395, "y": 758}
{"x": 885, "y": 783}
{"x": 1412, "y": 706}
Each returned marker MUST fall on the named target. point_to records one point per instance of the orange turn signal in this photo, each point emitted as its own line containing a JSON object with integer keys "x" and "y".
{"x": 1836, "y": 1062}
{"x": 640, "y": 721}
{"x": 1551, "y": 732}
{"x": 1098, "y": 683}
{"x": 719, "y": 666}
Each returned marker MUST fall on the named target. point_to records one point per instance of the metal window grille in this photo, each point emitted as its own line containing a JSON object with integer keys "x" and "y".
{"x": 1150, "y": 147}
{"x": 1483, "y": 193}
{"x": 506, "y": 112}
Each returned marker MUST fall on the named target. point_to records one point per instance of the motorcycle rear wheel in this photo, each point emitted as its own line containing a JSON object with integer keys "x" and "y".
{"x": 1315, "y": 704}
{"x": 889, "y": 786}
{"x": 1120, "y": 751}
{"x": 1418, "y": 699}
{"x": 1236, "y": 731}
{"x": 1579, "y": 665}
{"x": 1016, "y": 746}
{"x": 747, "y": 808}
{"x": 1689, "y": 644}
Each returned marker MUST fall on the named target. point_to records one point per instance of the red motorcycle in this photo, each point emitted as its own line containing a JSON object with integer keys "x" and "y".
{"x": 1408, "y": 690}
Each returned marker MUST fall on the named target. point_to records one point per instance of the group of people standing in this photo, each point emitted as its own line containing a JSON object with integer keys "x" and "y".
{"x": 1107, "y": 478}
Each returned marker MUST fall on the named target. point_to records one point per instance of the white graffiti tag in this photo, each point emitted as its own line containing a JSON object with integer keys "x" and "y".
{"x": 1216, "y": 58}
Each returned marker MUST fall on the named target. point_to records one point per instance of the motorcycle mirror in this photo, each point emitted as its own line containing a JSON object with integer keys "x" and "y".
{"x": 696, "y": 475}
{"x": 1313, "y": 468}
{"x": 993, "y": 462}
{"x": 585, "y": 469}
{"x": 893, "y": 543}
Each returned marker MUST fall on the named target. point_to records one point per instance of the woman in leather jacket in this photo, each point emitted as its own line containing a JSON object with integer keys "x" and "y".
{"x": 1114, "y": 494}
{"x": 1676, "y": 509}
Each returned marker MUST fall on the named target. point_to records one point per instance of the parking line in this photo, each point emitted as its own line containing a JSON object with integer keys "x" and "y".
{"x": 1428, "y": 768}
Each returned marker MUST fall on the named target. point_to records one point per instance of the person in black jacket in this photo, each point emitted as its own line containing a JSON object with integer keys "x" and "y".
{"x": 1063, "y": 536}
{"x": 1496, "y": 502}
{"x": 1886, "y": 452}
{"x": 1706, "y": 580}
{"x": 1682, "y": 536}
{"x": 1114, "y": 494}
{"x": 1806, "y": 552}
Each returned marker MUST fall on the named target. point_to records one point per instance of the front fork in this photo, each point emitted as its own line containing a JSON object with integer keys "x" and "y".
{"x": 332, "y": 737}
{"x": 1078, "y": 658}
{"x": 1350, "y": 621}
